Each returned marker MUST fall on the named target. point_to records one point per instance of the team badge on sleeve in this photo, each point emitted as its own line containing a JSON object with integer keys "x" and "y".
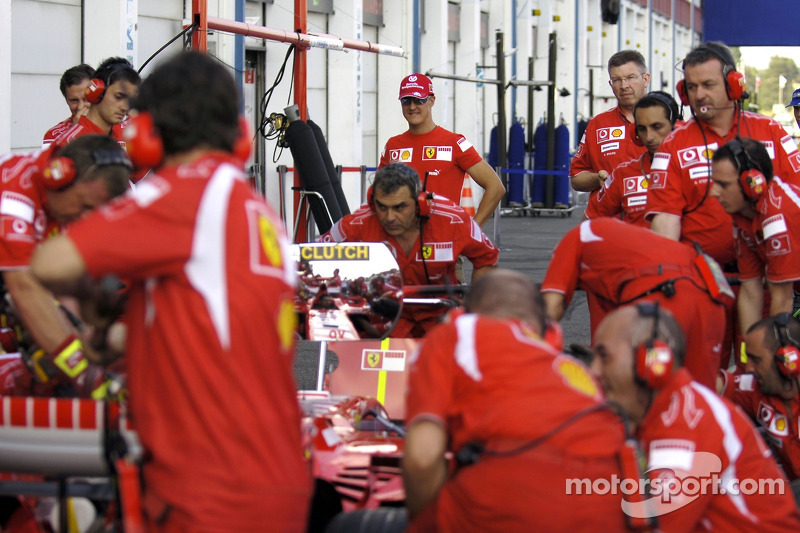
{"x": 464, "y": 144}
{"x": 437, "y": 153}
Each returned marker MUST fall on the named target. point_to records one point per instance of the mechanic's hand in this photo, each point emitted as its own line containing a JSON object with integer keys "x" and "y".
{"x": 83, "y": 109}
{"x": 601, "y": 177}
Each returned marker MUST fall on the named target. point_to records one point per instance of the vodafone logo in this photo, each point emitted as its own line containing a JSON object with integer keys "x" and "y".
{"x": 412, "y": 78}
{"x": 602, "y": 134}
{"x": 630, "y": 184}
{"x": 19, "y": 226}
{"x": 689, "y": 155}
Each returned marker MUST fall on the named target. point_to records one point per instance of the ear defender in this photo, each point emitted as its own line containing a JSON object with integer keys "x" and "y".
{"x": 751, "y": 179}
{"x": 243, "y": 145}
{"x": 682, "y": 94}
{"x": 142, "y": 141}
{"x": 95, "y": 91}
{"x": 59, "y": 173}
{"x": 654, "y": 358}
{"x": 788, "y": 355}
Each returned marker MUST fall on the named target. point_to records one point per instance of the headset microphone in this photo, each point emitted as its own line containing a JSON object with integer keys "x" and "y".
{"x": 705, "y": 108}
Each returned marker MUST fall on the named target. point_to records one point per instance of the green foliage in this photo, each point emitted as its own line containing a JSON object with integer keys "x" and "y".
{"x": 769, "y": 92}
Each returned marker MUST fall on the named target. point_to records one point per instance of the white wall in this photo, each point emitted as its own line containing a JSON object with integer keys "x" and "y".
{"x": 351, "y": 95}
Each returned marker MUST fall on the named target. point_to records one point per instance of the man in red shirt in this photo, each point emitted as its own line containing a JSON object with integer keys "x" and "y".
{"x": 37, "y": 196}
{"x": 765, "y": 209}
{"x": 768, "y": 390}
{"x": 621, "y": 263}
{"x": 625, "y": 191}
{"x": 119, "y": 84}
{"x": 441, "y": 158}
{"x": 211, "y": 325}
{"x": 73, "y": 86}
{"x": 679, "y": 205}
{"x": 709, "y": 470}
{"x": 609, "y": 137}
{"x": 425, "y": 232}
{"x": 520, "y": 418}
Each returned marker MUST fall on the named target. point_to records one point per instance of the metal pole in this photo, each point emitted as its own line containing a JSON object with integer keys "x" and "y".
{"x": 300, "y": 80}
{"x": 591, "y": 94}
{"x": 530, "y": 106}
{"x": 501, "y": 111}
{"x": 549, "y": 188}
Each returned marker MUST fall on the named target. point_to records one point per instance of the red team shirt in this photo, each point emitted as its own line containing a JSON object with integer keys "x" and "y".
{"x": 23, "y": 220}
{"x": 621, "y": 263}
{"x": 775, "y": 416}
{"x": 495, "y": 382}
{"x": 210, "y": 344}
{"x": 689, "y": 431}
{"x": 606, "y": 144}
{"x": 445, "y": 156}
{"x": 56, "y": 131}
{"x": 448, "y": 233}
{"x": 680, "y": 178}
{"x": 624, "y": 193}
{"x": 768, "y": 244}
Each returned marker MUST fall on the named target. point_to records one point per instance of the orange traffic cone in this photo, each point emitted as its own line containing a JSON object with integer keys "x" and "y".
{"x": 467, "y": 203}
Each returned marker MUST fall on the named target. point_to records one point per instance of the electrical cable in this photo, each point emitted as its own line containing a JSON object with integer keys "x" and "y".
{"x": 187, "y": 29}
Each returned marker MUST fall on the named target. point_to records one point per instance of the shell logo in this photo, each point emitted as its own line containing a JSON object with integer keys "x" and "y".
{"x": 780, "y": 424}
{"x": 616, "y": 132}
{"x": 645, "y": 182}
{"x": 405, "y": 155}
{"x": 708, "y": 153}
{"x": 575, "y": 376}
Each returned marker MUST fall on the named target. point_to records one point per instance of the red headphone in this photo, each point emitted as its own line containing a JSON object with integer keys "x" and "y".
{"x": 95, "y": 91}
{"x": 734, "y": 81}
{"x": 751, "y": 178}
{"x": 788, "y": 355}
{"x": 60, "y": 172}
{"x": 424, "y": 202}
{"x": 145, "y": 149}
{"x": 654, "y": 358}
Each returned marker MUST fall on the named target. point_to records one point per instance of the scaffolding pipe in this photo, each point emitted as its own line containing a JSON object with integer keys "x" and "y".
{"x": 328, "y": 42}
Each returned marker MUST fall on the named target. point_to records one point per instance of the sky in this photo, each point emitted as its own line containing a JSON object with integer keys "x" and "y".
{"x": 759, "y": 56}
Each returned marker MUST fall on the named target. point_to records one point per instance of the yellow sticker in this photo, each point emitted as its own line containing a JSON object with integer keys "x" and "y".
{"x": 351, "y": 252}
{"x": 287, "y": 324}
{"x": 576, "y": 376}
{"x": 269, "y": 241}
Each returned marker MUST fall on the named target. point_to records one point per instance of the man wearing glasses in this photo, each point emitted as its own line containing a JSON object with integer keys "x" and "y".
{"x": 608, "y": 140}
{"x": 440, "y": 157}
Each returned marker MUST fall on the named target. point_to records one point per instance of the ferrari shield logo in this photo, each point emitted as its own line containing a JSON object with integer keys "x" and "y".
{"x": 430, "y": 152}
{"x": 374, "y": 359}
{"x": 427, "y": 252}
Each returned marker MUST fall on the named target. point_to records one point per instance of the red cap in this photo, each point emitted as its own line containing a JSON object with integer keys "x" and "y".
{"x": 416, "y": 85}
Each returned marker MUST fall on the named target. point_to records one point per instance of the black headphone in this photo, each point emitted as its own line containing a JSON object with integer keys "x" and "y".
{"x": 654, "y": 360}
{"x": 61, "y": 172}
{"x": 752, "y": 180}
{"x": 673, "y": 113}
{"x": 788, "y": 355}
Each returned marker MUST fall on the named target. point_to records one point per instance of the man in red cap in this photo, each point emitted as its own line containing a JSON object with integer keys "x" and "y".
{"x": 440, "y": 157}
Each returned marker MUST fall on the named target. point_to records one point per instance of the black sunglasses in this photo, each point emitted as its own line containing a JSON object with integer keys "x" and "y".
{"x": 408, "y": 100}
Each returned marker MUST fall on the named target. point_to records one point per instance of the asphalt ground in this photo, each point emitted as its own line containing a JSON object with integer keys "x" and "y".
{"x": 526, "y": 241}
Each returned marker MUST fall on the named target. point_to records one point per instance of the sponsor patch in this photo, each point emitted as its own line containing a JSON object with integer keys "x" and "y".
{"x": 773, "y": 226}
{"x": 17, "y": 205}
{"x": 464, "y": 144}
{"x": 607, "y": 147}
{"x": 638, "y": 200}
{"x": 389, "y": 360}
{"x": 794, "y": 160}
{"x": 779, "y": 245}
{"x": 658, "y": 180}
{"x": 635, "y": 185}
{"x": 437, "y": 252}
{"x": 788, "y": 144}
{"x": 675, "y": 454}
{"x": 401, "y": 155}
{"x": 660, "y": 161}
{"x": 697, "y": 173}
{"x": 696, "y": 155}
{"x": 575, "y": 376}
{"x": 614, "y": 133}
{"x": 437, "y": 153}
{"x": 17, "y": 230}
{"x": 770, "y": 146}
